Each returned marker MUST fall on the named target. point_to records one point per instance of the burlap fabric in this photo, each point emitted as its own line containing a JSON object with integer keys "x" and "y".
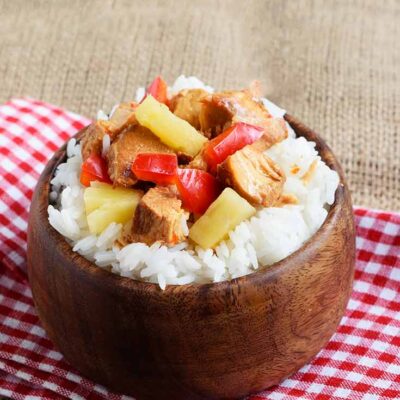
{"x": 333, "y": 64}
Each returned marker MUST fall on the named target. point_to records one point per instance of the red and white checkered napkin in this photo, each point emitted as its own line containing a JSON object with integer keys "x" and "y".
{"x": 361, "y": 361}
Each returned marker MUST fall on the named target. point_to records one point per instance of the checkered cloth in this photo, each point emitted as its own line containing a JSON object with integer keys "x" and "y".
{"x": 361, "y": 361}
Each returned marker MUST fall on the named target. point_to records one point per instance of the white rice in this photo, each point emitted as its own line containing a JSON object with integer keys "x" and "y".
{"x": 271, "y": 235}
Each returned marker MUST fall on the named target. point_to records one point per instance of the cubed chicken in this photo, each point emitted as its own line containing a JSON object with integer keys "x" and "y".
{"x": 254, "y": 176}
{"x": 123, "y": 151}
{"x": 187, "y": 105}
{"x": 122, "y": 117}
{"x": 220, "y": 110}
{"x": 159, "y": 216}
{"x": 92, "y": 140}
{"x": 275, "y": 130}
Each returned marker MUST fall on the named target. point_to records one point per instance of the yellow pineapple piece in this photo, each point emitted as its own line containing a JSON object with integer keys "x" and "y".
{"x": 120, "y": 213}
{"x": 105, "y": 204}
{"x": 223, "y": 215}
{"x": 100, "y": 193}
{"x": 170, "y": 129}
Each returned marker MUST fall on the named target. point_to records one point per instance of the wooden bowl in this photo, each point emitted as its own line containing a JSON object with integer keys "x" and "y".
{"x": 210, "y": 341}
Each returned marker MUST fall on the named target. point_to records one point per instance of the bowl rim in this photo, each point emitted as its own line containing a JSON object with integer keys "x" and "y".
{"x": 263, "y": 273}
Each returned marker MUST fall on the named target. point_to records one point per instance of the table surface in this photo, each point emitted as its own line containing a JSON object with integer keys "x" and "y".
{"x": 333, "y": 64}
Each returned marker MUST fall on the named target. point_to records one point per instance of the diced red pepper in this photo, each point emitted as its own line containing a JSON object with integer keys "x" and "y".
{"x": 230, "y": 141}
{"x": 198, "y": 189}
{"x": 94, "y": 169}
{"x": 156, "y": 167}
{"x": 158, "y": 89}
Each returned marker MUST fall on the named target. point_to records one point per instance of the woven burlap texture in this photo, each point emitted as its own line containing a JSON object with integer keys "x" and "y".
{"x": 333, "y": 64}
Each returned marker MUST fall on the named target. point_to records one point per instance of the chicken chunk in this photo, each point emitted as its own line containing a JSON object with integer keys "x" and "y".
{"x": 122, "y": 117}
{"x": 220, "y": 110}
{"x": 275, "y": 130}
{"x": 92, "y": 141}
{"x": 123, "y": 151}
{"x": 253, "y": 175}
{"x": 187, "y": 105}
{"x": 158, "y": 217}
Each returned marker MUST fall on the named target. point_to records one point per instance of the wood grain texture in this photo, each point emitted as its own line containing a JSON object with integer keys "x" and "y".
{"x": 208, "y": 341}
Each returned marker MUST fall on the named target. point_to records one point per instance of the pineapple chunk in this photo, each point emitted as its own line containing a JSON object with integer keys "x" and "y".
{"x": 101, "y": 193}
{"x": 223, "y": 215}
{"x": 104, "y": 204}
{"x": 171, "y": 130}
{"x": 119, "y": 212}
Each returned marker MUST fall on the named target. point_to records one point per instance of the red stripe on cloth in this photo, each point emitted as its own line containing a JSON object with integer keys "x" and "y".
{"x": 13, "y": 387}
{"x": 361, "y": 361}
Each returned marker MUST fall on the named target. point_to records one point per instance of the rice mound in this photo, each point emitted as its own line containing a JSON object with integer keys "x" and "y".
{"x": 269, "y": 236}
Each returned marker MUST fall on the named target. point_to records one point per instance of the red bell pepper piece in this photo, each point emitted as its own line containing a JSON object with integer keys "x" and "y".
{"x": 158, "y": 89}
{"x": 198, "y": 189}
{"x": 156, "y": 167}
{"x": 230, "y": 141}
{"x": 94, "y": 169}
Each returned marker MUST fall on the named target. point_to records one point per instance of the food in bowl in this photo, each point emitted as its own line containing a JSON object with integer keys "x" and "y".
{"x": 188, "y": 185}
